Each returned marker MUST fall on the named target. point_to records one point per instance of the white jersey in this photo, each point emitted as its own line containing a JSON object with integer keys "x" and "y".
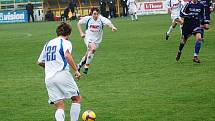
{"x": 175, "y": 6}
{"x": 132, "y": 8}
{"x": 94, "y": 28}
{"x": 53, "y": 56}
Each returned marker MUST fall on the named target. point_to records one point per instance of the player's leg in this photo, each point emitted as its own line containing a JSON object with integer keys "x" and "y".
{"x": 135, "y": 15}
{"x": 173, "y": 25}
{"x": 132, "y": 17}
{"x": 32, "y": 16}
{"x": 180, "y": 47}
{"x": 198, "y": 37}
{"x": 83, "y": 61}
{"x": 186, "y": 32}
{"x": 84, "y": 58}
{"x": 180, "y": 22}
{"x": 28, "y": 17}
{"x": 131, "y": 12}
{"x": 59, "y": 114}
{"x": 75, "y": 108}
{"x": 91, "y": 50}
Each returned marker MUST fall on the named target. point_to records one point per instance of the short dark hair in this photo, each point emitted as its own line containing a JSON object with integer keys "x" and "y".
{"x": 94, "y": 9}
{"x": 63, "y": 29}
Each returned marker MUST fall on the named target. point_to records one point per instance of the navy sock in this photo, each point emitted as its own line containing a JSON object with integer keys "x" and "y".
{"x": 197, "y": 47}
{"x": 181, "y": 46}
{"x": 202, "y": 33}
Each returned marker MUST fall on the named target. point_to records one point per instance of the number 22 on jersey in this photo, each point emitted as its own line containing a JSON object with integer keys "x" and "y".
{"x": 51, "y": 53}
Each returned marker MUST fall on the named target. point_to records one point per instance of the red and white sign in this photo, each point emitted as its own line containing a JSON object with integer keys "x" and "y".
{"x": 148, "y": 8}
{"x": 153, "y": 5}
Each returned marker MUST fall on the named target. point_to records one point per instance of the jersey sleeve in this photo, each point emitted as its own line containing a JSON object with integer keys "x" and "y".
{"x": 42, "y": 56}
{"x": 84, "y": 20}
{"x": 105, "y": 21}
{"x": 183, "y": 12}
{"x": 67, "y": 47}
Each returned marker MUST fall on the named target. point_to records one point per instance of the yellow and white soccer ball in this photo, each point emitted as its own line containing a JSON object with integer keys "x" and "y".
{"x": 89, "y": 115}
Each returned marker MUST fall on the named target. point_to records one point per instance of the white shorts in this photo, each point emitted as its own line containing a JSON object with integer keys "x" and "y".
{"x": 86, "y": 41}
{"x": 61, "y": 86}
{"x": 174, "y": 17}
{"x": 132, "y": 10}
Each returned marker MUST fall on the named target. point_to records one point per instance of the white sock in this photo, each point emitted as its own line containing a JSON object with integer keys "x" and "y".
{"x": 181, "y": 29}
{"x": 132, "y": 17}
{"x": 135, "y": 16}
{"x": 89, "y": 58}
{"x": 74, "y": 111}
{"x": 170, "y": 30}
{"x": 82, "y": 60}
{"x": 59, "y": 115}
{"x": 195, "y": 54}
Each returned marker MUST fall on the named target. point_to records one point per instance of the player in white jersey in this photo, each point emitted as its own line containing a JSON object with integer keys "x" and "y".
{"x": 93, "y": 35}
{"x": 174, "y": 7}
{"x": 56, "y": 58}
{"x": 132, "y": 9}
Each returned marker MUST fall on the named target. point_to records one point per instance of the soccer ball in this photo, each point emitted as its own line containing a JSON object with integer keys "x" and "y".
{"x": 89, "y": 115}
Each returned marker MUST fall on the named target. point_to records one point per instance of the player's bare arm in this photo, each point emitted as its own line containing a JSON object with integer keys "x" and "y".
{"x": 114, "y": 29}
{"x": 71, "y": 62}
{"x": 82, "y": 34}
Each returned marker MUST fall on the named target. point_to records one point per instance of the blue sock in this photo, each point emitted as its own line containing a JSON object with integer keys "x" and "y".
{"x": 197, "y": 47}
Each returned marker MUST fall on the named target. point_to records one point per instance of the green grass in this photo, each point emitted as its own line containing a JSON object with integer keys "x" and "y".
{"x": 134, "y": 75}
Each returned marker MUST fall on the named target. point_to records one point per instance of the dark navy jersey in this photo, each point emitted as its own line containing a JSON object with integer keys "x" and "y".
{"x": 193, "y": 13}
{"x": 206, "y": 3}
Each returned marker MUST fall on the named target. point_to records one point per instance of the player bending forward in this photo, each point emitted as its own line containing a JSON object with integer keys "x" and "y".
{"x": 56, "y": 58}
{"x": 174, "y": 7}
{"x": 92, "y": 36}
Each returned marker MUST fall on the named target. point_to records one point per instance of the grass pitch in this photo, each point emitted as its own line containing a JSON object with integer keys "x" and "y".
{"x": 133, "y": 77}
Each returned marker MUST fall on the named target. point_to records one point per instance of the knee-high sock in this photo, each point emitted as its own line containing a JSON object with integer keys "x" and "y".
{"x": 83, "y": 61}
{"x": 181, "y": 46}
{"x": 75, "y": 111}
{"x": 170, "y": 30}
{"x": 197, "y": 48}
{"x": 202, "y": 34}
{"x": 89, "y": 58}
{"x": 181, "y": 29}
{"x": 132, "y": 17}
{"x": 59, "y": 115}
{"x": 135, "y": 16}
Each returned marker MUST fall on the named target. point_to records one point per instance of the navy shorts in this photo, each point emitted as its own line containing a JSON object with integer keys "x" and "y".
{"x": 187, "y": 31}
